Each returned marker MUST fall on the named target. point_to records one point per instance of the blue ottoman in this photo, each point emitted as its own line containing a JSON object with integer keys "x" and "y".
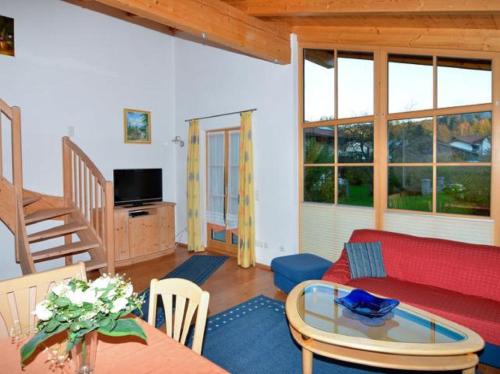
{"x": 291, "y": 270}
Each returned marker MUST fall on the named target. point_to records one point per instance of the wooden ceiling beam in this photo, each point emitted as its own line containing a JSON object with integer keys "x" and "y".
{"x": 287, "y": 8}
{"x": 216, "y": 22}
{"x": 455, "y": 39}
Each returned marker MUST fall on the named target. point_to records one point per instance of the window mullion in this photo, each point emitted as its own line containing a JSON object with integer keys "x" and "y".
{"x": 434, "y": 164}
{"x": 336, "y": 171}
{"x": 336, "y": 85}
{"x": 434, "y": 133}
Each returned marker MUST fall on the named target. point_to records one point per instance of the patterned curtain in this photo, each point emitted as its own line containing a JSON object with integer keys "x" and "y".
{"x": 193, "y": 188}
{"x": 246, "y": 215}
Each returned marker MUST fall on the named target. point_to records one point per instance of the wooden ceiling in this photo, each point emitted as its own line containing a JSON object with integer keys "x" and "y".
{"x": 261, "y": 28}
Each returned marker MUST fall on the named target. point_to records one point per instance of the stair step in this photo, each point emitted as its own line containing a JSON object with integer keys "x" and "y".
{"x": 94, "y": 265}
{"x": 30, "y": 200}
{"x": 64, "y": 250}
{"x": 44, "y": 214}
{"x": 54, "y": 232}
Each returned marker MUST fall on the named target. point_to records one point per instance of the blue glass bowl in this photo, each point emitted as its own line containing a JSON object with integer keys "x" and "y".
{"x": 361, "y": 302}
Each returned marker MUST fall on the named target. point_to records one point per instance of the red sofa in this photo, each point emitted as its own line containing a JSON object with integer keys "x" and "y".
{"x": 455, "y": 280}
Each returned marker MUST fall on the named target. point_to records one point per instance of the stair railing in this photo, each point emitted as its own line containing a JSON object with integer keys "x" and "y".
{"x": 11, "y": 192}
{"x": 86, "y": 188}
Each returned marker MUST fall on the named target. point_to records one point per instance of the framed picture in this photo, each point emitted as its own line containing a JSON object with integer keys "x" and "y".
{"x": 6, "y": 36}
{"x": 137, "y": 126}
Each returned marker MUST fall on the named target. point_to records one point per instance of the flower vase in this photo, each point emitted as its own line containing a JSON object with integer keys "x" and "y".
{"x": 84, "y": 354}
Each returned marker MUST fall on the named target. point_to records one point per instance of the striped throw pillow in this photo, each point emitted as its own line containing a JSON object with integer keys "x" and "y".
{"x": 365, "y": 260}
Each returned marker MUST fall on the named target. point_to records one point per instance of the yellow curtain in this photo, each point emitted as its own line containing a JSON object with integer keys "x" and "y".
{"x": 246, "y": 215}
{"x": 193, "y": 188}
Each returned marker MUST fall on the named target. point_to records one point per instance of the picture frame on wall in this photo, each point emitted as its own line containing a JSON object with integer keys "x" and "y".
{"x": 137, "y": 126}
{"x": 7, "y": 36}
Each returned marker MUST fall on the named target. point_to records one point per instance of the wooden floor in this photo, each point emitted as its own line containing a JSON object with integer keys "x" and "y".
{"x": 229, "y": 285}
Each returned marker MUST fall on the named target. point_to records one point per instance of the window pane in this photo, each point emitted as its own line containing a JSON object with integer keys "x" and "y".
{"x": 464, "y": 137}
{"x": 319, "y": 143}
{"x": 463, "y": 81}
{"x": 355, "y": 143}
{"x": 410, "y": 140}
{"x": 318, "y": 85}
{"x": 464, "y": 190}
{"x": 355, "y": 89}
{"x": 410, "y": 83}
{"x": 319, "y": 184}
{"x": 234, "y": 239}
{"x": 410, "y": 188}
{"x": 356, "y": 185}
{"x": 220, "y": 236}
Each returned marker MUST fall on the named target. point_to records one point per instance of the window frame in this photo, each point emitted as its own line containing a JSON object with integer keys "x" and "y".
{"x": 381, "y": 118}
{"x": 434, "y": 113}
{"x": 335, "y": 122}
{"x": 226, "y": 247}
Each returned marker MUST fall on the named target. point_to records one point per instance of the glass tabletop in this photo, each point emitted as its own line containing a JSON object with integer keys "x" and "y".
{"x": 317, "y": 308}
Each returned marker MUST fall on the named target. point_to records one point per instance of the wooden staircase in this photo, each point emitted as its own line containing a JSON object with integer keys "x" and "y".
{"x": 84, "y": 213}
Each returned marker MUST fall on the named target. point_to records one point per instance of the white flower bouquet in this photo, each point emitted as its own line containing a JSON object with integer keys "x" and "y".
{"x": 82, "y": 307}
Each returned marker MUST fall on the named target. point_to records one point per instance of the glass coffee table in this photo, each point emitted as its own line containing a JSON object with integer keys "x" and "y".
{"x": 407, "y": 338}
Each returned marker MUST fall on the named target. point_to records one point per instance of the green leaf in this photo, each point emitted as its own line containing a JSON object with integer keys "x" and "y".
{"x": 125, "y": 327}
{"x": 107, "y": 324}
{"x": 63, "y": 301}
{"x": 86, "y": 324}
{"x": 76, "y": 326}
{"x": 30, "y": 347}
{"x": 61, "y": 317}
{"x": 52, "y": 326}
{"x": 74, "y": 313}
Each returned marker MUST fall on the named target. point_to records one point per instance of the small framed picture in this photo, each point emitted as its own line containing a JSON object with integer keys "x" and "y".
{"x": 137, "y": 126}
{"x": 6, "y": 36}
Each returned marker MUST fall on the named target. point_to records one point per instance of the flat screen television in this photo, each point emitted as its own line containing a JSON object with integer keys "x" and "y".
{"x": 137, "y": 186}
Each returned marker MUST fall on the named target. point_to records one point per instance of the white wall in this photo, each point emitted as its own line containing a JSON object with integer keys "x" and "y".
{"x": 75, "y": 67}
{"x": 211, "y": 81}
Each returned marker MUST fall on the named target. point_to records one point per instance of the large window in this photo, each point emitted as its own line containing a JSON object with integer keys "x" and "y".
{"x": 338, "y": 127}
{"x": 441, "y": 162}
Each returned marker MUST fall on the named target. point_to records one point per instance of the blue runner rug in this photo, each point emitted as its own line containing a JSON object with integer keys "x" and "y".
{"x": 254, "y": 338}
{"x": 197, "y": 269}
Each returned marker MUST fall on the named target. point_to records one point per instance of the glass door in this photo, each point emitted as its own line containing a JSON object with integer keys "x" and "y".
{"x": 222, "y": 189}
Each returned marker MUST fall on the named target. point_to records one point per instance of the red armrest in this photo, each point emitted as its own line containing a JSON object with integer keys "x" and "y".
{"x": 339, "y": 272}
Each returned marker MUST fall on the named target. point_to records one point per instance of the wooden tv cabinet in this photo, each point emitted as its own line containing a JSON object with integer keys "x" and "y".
{"x": 143, "y": 232}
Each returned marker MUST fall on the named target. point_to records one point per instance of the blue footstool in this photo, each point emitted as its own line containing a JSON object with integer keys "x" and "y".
{"x": 291, "y": 270}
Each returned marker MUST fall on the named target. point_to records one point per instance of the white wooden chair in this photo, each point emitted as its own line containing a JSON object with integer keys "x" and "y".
{"x": 19, "y": 296}
{"x": 188, "y": 298}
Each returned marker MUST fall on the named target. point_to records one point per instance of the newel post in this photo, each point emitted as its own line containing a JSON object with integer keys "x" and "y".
{"x": 109, "y": 225}
{"x": 67, "y": 189}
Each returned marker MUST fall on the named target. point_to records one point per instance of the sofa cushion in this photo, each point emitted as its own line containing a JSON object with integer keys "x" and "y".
{"x": 479, "y": 314}
{"x": 469, "y": 269}
{"x": 365, "y": 260}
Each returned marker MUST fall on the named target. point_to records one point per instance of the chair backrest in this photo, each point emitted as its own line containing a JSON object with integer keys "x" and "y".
{"x": 19, "y": 296}
{"x": 179, "y": 316}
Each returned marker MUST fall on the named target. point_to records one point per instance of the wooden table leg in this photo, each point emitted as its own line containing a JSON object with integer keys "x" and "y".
{"x": 469, "y": 371}
{"x": 307, "y": 361}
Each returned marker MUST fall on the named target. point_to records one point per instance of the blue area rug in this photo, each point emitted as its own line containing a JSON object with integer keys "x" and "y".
{"x": 254, "y": 338}
{"x": 197, "y": 269}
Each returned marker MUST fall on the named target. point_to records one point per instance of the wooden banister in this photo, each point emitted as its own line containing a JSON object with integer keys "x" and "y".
{"x": 86, "y": 188}
{"x": 12, "y": 191}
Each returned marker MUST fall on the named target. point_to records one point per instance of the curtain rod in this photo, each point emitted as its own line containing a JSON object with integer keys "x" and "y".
{"x": 222, "y": 114}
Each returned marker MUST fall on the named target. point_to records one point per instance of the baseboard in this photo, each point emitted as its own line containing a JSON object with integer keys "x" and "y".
{"x": 181, "y": 245}
{"x": 262, "y": 266}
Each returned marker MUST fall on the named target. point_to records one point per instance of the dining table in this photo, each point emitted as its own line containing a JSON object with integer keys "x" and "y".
{"x": 120, "y": 355}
